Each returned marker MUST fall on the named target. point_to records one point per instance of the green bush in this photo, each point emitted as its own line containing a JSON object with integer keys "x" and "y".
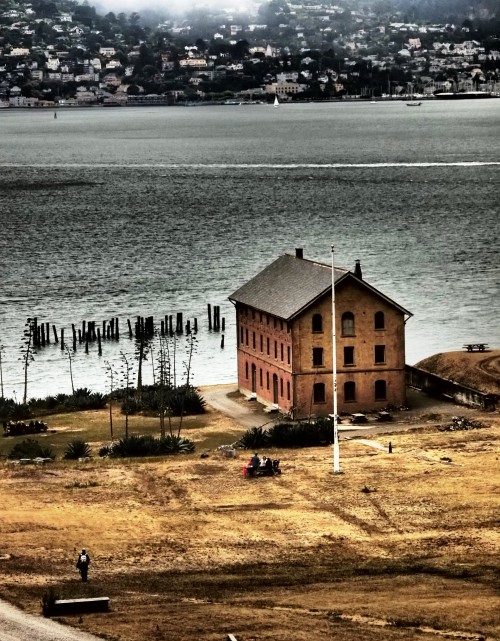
{"x": 78, "y": 448}
{"x": 30, "y": 448}
{"x": 254, "y": 439}
{"x": 136, "y": 446}
{"x": 313, "y": 434}
{"x": 178, "y": 400}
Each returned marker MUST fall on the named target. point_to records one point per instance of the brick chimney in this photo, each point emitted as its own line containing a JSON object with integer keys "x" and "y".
{"x": 357, "y": 270}
{"x": 299, "y": 252}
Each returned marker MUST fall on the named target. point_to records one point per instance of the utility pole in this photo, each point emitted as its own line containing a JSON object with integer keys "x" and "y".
{"x": 336, "y": 449}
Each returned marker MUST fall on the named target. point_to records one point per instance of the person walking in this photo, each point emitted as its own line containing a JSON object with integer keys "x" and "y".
{"x": 82, "y": 564}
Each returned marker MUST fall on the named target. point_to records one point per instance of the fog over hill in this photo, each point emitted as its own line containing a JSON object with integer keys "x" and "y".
{"x": 444, "y": 10}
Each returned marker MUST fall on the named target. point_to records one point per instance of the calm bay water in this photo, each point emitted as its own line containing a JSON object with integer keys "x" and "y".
{"x": 121, "y": 212}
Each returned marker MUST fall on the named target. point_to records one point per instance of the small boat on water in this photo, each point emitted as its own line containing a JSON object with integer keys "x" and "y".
{"x": 276, "y": 102}
{"x": 413, "y": 104}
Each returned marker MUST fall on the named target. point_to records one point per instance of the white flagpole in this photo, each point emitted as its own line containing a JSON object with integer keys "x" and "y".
{"x": 336, "y": 449}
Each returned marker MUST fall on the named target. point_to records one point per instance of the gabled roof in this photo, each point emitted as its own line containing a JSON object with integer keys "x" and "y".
{"x": 290, "y": 284}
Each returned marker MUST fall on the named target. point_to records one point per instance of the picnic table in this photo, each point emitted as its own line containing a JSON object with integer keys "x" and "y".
{"x": 475, "y": 347}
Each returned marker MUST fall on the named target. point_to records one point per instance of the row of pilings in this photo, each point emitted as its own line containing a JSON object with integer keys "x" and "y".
{"x": 109, "y": 330}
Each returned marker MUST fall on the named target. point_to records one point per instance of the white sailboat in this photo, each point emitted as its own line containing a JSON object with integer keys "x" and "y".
{"x": 276, "y": 102}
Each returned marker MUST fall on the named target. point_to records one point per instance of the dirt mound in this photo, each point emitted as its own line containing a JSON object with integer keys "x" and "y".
{"x": 479, "y": 370}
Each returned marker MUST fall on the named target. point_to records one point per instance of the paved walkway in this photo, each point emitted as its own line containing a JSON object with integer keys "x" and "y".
{"x": 16, "y": 625}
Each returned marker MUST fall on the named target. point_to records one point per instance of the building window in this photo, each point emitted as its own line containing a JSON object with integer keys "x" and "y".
{"x": 288, "y": 390}
{"x": 253, "y": 340}
{"x": 380, "y": 390}
{"x": 347, "y": 324}
{"x": 318, "y": 393}
{"x": 281, "y": 387}
{"x": 379, "y": 320}
{"x": 276, "y": 350}
{"x": 267, "y": 380}
{"x": 349, "y": 391}
{"x": 241, "y": 335}
{"x": 246, "y": 337}
{"x": 288, "y": 354}
{"x": 268, "y": 347}
{"x": 349, "y": 355}
{"x": 246, "y": 371}
{"x": 317, "y": 357}
{"x": 261, "y": 343}
{"x": 261, "y": 380}
{"x": 317, "y": 323}
{"x": 379, "y": 354}
{"x": 282, "y": 353}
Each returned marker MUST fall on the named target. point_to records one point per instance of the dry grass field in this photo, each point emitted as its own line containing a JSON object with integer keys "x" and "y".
{"x": 187, "y": 548}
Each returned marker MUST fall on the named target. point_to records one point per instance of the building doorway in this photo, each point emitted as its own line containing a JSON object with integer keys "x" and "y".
{"x": 275, "y": 389}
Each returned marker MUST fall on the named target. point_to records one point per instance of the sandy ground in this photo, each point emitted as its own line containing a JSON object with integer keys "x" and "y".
{"x": 190, "y": 549}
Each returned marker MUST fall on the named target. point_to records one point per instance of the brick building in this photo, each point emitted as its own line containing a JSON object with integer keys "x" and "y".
{"x": 284, "y": 326}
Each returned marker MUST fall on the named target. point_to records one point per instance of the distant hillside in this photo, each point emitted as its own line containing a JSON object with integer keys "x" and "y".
{"x": 478, "y": 370}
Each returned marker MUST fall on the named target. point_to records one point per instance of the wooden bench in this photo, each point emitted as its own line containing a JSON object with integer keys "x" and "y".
{"x": 475, "y": 347}
{"x": 79, "y": 606}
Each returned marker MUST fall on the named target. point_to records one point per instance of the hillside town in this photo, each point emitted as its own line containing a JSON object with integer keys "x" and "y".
{"x": 67, "y": 54}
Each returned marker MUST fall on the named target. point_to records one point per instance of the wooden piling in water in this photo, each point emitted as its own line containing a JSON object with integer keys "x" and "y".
{"x": 170, "y": 325}
{"x": 117, "y": 330}
{"x": 104, "y": 329}
{"x": 209, "y": 310}
{"x": 112, "y": 325}
{"x": 74, "y": 337}
{"x": 84, "y": 330}
{"x": 54, "y": 329}
{"x": 178, "y": 328}
{"x": 62, "y": 338}
{"x": 99, "y": 346}
{"x": 47, "y": 333}
{"x": 195, "y": 328}
{"x": 42, "y": 332}
{"x": 188, "y": 327}
{"x": 87, "y": 343}
{"x": 222, "y": 341}
{"x": 129, "y": 328}
{"x": 34, "y": 326}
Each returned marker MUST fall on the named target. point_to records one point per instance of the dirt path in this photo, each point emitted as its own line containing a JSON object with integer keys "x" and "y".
{"x": 16, "y": 625}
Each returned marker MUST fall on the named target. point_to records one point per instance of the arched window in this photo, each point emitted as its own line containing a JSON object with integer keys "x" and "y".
{"x": 319, "y": 393}
{"x": 380, "y": 390}
{"x": 317, "y": 323}
{"x": 347, "y": 324}
{"x": 349, "y": 391}
{"x": 379, "y": 320}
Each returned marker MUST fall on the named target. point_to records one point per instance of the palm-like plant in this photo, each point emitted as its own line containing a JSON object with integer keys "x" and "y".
{"x": 77, "y": 449}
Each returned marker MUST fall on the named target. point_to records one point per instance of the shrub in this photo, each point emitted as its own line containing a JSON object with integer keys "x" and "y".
{"x": 78, "y": 448}
{"x": 30, "y": 448}
{"x": 253, "y": 439}
{"x": 319, "y": 432}
{"x": 12, "y": 411}
{"x": 179, "y": 400}
{"x": 136, "y": 446}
